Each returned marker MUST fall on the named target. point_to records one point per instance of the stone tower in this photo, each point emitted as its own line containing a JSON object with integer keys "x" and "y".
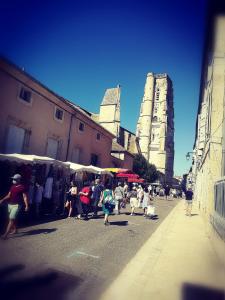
{"x": 155, "y": 128}
{"x": 109, "y": 116}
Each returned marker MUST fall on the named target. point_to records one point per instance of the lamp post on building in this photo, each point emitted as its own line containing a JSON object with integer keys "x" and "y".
{"x": 188, "y": 155}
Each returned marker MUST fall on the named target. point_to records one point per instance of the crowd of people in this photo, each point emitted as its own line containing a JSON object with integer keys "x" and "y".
{"x": 94, "y": 196}
{"x": 81, "y": 203}
{"x": 84, "y": 202}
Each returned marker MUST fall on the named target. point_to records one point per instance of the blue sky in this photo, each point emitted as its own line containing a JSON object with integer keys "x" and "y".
{"x": 80, "y": 48}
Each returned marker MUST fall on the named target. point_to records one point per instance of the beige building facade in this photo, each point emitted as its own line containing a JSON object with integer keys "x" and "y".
{"x": 109, "y": 115}
{"x": 208, "y": 168}
{"x": 124, "y": 144}
{"x": 35, "y": 120}
{"x": 155, "y": 127}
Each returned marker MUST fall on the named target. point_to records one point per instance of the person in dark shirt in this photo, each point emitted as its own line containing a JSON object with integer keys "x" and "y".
{"x": 96, "y": 195}
{"x": 16, "y": 196}
{"x": 167, "y": 191}
{"x": 188, "y": 197}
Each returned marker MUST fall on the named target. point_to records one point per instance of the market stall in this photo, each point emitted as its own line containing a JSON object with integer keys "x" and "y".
{"x": 39, "y": 173}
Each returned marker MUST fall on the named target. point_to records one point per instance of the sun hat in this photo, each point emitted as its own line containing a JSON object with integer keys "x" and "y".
{"x": 16, "y": 177}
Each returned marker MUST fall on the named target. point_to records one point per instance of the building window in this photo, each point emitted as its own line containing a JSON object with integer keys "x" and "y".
{"x": 98, "y": 136}
{"x": 155, "y": 119}
{"x": 59, "y": 114}
{"x": 94, "y": 159}
{"x": 81, "y": 126}
{"x": 25, "y": 95}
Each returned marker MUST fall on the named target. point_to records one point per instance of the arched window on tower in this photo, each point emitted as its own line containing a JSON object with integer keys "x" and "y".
{"x": 157, "y": 96}
{"x": 155, "y": 119}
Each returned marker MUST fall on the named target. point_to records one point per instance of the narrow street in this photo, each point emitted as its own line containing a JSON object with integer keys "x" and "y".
{"x": 71, "y": 259}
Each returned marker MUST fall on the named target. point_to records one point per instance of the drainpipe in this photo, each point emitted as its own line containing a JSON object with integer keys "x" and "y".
{"x": 69, "y": 136}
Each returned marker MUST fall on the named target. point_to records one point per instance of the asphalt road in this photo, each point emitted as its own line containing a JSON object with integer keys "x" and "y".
{"x": 72, "y": 259}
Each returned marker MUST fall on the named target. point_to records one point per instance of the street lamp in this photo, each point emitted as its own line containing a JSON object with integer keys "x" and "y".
{"x": 188, "y": 155}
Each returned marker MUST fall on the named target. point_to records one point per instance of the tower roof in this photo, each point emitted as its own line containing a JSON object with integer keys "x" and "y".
{"x": 112, "y": 96}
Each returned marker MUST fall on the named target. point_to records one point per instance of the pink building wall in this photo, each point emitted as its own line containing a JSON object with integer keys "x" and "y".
{"x": 38, "y": 119}
{"x": 126, "y": 163}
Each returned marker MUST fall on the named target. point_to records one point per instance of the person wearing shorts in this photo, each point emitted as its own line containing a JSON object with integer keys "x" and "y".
{"x": 17, "y": 194}
{"x": 133, "y": 200}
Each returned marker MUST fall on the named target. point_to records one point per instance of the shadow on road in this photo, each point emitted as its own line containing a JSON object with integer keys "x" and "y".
{"x": 197, "y": 292}
{"x": 4, "y": 272}
{"x": 135, "y": 214}
{"x": 119, "y": 223}
{"x": 46, "y": 285}
{"x": 36, "y": 231}
{"x": 155, "y": 217}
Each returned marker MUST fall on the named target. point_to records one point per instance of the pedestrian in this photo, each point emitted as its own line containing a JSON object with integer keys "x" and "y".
{"x": 140, "y": 194}
{"x": 95, "y": 197}
{"x": 150, "y": 189}
{"x": 72, "y": 195}
{"x": 167, "y": 191}
{"x": 119, "y": 195}
{"x": 85, "y": 198}
{"x": 38, "y": 198}
{"x": 161, "y": 192}
{"x": 16, "y": 196}
{"x": 133, "y": 200}
{"x": 125, "y": 189}
{"x": 56, "y": 194}
{"x": 146, "y": 200}
{"x": 188, "y": 197}
{"x": 157, "y": 189}
{"x": 107, "y": 202}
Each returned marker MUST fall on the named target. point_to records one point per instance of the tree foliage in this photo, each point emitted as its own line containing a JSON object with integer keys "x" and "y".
{"x": 144, "y": 169}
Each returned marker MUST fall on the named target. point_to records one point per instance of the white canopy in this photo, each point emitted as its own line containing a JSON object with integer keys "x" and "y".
{"x": 77, "y": 167}
{"x": 98, "y": 170}
{"x": 28, "y": 159}
{"x": 90, "y": 169}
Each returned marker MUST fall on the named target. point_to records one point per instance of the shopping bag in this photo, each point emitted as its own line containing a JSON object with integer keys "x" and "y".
{"x": 151, "y": 210}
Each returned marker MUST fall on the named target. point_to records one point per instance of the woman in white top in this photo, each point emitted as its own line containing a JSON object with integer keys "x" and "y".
{"x": 140, "y": 194}
{"x": 146, "y": 201}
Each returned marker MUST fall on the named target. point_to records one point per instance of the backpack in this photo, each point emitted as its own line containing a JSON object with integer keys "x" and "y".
{"x": 108, "y": 198}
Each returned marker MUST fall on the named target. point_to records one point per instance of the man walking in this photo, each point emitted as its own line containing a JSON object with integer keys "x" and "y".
{"x": 96, "y": 194}
{"x": 167, "y": 191}
{"x": 15, "y": 197}
{"x": 188, "y": 197}
{"x": 119, "y": 196}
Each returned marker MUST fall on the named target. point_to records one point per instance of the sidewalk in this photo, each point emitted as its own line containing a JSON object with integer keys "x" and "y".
{"x": 178, "y": 262}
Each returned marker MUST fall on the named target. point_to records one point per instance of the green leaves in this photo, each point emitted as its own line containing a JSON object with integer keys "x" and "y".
{"x": 144, "y": 169}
